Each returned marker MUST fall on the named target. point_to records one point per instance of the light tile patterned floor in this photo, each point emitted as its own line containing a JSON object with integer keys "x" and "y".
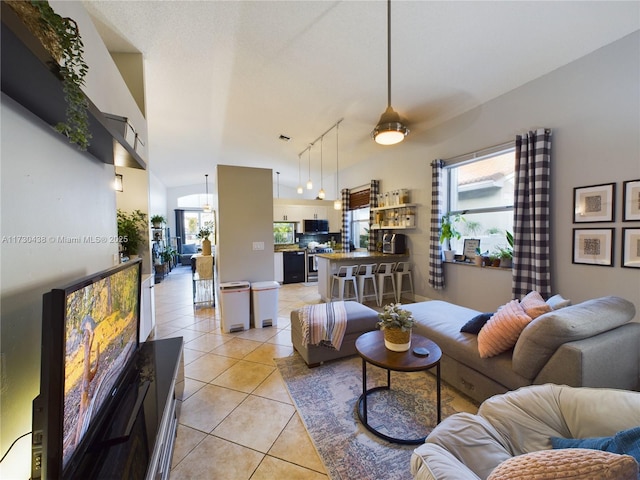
{"x": 237, "y": 421}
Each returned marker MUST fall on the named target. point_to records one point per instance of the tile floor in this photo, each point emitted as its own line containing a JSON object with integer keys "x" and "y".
{"x": 237, "y": 421}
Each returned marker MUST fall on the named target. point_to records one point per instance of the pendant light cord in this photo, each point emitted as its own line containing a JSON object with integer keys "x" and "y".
{"x": 388, "y": 53}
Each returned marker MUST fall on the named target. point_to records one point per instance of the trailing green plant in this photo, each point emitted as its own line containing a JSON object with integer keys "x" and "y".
{"x": 393, "y": 316}
{"x": 132, "y": 228}
{"x": 73, "y": 70}
{"x": 506, "y": 252}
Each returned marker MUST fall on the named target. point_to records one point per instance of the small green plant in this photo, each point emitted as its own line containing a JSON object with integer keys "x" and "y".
{"x": 132, "y": 229}
{"x": 157, "y": 220}
{"x": 393, "y": 316}
{"x": 506, "y": 252}
{"x": 168, "y": 254}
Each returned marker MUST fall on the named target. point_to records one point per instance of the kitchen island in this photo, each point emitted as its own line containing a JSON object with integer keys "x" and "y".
{"x": 328, "y": 264}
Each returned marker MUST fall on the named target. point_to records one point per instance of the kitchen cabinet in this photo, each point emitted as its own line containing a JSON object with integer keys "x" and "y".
{"x": 291, "y": 210}
{"x": 278, "y": 266}
{"x": 287, "y": 213}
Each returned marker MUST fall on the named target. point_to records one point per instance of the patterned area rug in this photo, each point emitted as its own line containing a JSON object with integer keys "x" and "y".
{"x": 326, "y": 398}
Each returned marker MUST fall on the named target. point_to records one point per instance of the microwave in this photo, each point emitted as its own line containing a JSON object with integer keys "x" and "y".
{"x": 316, "y": 226}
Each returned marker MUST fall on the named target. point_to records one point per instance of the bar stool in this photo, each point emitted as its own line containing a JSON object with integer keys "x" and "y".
{"x": 342, "y": 276}
{"x": 384, "y": 272}
{"x": 403, "y": 269}
{"x": 366, "y": 272}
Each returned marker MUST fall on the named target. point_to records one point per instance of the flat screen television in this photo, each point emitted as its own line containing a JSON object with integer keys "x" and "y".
{"x": 90, "y": 331}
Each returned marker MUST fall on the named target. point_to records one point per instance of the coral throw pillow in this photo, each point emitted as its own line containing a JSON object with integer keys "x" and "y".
{"x": 571, "y": 463}
{"x": 534, "y": 305}
{"x": 503, "y": 329}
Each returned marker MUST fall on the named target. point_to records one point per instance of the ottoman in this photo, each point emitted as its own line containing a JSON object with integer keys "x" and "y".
{"x": 360, "y": 319}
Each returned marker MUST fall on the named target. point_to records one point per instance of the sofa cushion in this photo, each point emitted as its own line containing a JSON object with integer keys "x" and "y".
{"x": 503, "y": 329}
{"x": 534, "y": 305}
{"x": 542, "y": 337}
{"x": 432, "y": 462}
{"x": 567, "y": 464}
{"x": 189, "y": 249}
{"x": 557, "y": 302}
{"x": 626, "y": 442}
{"x": 476, "y": 323}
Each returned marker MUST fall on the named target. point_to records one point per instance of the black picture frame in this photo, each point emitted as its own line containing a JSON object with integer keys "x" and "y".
{"x": 593, "y": 246}
{"x": 631, "y": 247}
{"x": 631, "y": 201}
{"x": 594, "y": 203}
{"x": 470, "y": 245}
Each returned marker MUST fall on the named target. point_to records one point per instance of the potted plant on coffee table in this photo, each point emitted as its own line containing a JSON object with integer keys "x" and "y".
{"x": 396, "y": 325}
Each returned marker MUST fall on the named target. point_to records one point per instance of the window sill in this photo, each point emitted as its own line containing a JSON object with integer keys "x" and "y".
{"x": 470, "y": 264}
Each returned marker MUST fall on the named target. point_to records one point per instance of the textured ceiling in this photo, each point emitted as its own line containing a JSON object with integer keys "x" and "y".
{"x": 224, "y": 79}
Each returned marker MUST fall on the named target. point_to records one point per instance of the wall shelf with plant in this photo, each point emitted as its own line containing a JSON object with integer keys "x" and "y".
{"x": 32, "y": 77}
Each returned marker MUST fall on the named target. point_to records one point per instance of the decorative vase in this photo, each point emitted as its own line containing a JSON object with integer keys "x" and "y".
{"x": 397, "y": 340}
{"x": 206, "y": 247}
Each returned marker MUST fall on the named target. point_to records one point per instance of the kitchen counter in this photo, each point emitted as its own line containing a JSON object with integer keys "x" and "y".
{"x": 377, "y": 256}
{"x": 328, "y": 263}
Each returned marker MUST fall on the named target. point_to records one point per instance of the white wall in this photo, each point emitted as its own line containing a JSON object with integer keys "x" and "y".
{"x": 592, "y": 106}
{"x": 245, "y": 216}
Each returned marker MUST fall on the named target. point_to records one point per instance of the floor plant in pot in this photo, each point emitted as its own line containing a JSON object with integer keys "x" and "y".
{"x": 396, "y": 325}
{"x": 132, "y": 231}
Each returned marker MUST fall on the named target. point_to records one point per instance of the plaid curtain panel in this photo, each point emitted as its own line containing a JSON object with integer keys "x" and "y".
{"x": 373, "y": 202}
{"x": 345, "y": 237}
{"x": 531, "y": 258}
{"x": 436, "y": 273}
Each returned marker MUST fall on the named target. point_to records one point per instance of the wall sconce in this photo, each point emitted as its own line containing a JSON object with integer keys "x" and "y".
{"x": 117, "y": 183}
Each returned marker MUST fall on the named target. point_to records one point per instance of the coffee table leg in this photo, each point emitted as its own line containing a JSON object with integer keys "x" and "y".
{"x": 438, "y": 391}
{"x": 364, "y": 390}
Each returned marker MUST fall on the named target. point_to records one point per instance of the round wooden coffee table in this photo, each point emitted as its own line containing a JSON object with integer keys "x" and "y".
{"x": 370, "y": 347}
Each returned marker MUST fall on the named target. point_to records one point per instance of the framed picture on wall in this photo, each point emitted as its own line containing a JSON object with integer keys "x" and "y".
{"x": 593, "y": 246}
{"x": 595, "y": 203}
{"x": 631, "y": 247}
{"x": 631, "y": 201}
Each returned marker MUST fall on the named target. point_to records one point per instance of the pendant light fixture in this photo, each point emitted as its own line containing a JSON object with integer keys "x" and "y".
{"x": 321, "y": 193}
{"x": 309, "y": 182}
{"x": 206, "y": 207}
{"x": 300, "y": 190}
{"x": 389, "y": 130}
{"x": 337, "y": 203}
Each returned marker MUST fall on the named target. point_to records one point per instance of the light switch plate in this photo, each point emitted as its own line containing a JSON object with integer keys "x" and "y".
{"x": 258, "y": 245}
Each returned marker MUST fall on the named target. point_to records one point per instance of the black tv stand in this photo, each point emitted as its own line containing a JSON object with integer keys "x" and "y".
{"x": 146, "y": 413}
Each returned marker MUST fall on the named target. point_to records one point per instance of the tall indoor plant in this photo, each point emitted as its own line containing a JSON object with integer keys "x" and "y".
{"x": 396, "y": 324}
{"x": 132, "y": 228}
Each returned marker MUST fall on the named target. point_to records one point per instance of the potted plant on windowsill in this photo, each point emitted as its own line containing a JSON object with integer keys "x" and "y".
{"x": 448, "y": 231}
{"x": 396, "y": 325}
{"x": 505, "y": 254}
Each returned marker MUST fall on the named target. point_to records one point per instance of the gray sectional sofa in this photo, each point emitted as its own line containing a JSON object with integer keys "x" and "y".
{"x": 592, "y": 344}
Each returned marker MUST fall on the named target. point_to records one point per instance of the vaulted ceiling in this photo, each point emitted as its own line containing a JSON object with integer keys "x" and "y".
{"x": 224, "y": 79}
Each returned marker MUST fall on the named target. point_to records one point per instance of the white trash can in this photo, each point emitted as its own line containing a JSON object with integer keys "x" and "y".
{"x": 265, "y": 303}
{"x": 234, "y": 306}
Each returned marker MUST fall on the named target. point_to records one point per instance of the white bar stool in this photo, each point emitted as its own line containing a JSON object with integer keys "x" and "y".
{"x": 342, "y": 276}
{"x": 402, "y": 270}
{"x": 366, "y": 272}
{"x": 384, "y": 272}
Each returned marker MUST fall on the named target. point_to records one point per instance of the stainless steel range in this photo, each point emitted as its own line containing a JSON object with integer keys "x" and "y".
{"x": 311, "y": 264}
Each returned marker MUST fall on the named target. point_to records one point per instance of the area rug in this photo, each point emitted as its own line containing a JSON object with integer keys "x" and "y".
{"x": 326, "y": 398}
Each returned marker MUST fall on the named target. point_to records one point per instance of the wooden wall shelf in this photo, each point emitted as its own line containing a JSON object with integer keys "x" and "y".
{"x": 29, "y": 76}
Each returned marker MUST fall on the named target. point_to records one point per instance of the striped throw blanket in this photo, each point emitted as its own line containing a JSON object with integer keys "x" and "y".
{"x": 324, "y": 324}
